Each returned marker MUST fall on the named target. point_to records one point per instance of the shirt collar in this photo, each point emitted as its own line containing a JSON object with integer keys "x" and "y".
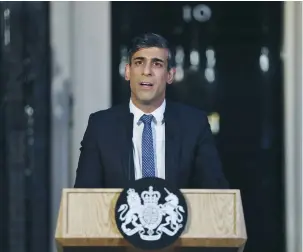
{"x": 158, "y": 113}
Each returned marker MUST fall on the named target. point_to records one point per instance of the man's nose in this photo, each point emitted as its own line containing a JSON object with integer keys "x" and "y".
{"x": 147, "y": 69}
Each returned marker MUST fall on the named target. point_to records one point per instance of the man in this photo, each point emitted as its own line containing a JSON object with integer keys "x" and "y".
{"x": 149, "y": 136}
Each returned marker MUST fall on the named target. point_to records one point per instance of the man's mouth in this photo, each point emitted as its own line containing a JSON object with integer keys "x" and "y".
{"x": 146, "y": 84}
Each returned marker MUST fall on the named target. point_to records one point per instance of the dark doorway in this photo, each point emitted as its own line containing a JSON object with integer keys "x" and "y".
{"x": 24, "y": 127}
{"x": 228, "y": 65}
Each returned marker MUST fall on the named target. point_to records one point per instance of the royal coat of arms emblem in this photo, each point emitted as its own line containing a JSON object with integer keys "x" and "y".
{"x": 151, "y": 213}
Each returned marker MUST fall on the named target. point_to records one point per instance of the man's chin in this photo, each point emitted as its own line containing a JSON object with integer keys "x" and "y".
{"x": 146, "y": 101}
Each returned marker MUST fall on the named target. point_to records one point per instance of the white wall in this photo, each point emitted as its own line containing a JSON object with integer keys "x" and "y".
{"x": 81, "y": 70}
{"x": 60, "y": 94}
{"x": 91, "y": 67}
{"x": 293, "y": 123}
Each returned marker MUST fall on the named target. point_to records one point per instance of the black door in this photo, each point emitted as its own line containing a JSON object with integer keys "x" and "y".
{"x": 24, "y": 127}
{"x": 228, "y": 64}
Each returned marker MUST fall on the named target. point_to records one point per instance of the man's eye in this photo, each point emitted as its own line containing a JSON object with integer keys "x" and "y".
{"x": 138, "y": 63}
{"x": 158, "y": 64}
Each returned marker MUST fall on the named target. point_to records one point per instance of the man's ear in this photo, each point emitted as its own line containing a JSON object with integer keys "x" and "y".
{"x": 127, "y": 72}
{"x": 171, "y": 75}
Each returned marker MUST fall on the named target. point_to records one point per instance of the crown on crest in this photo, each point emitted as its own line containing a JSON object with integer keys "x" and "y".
{"x": 150, "y": 196}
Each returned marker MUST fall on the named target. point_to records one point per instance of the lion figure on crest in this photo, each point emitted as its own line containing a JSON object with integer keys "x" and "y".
{"x": 135, "y": 208}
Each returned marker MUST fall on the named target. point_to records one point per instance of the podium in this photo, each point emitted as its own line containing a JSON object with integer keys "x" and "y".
{"x": 86, "y": 221}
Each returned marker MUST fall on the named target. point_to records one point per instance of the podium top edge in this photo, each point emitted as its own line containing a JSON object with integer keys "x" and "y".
{"x": 118, "y": 190}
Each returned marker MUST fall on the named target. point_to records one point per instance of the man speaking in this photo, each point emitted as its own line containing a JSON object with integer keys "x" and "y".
{"x": 149, "y": 136}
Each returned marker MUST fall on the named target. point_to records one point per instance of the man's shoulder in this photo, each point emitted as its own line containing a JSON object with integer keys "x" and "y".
{"x": 181, "y": 110}
{"x": 188, "y": 112}
{"x": 110, "y": 113}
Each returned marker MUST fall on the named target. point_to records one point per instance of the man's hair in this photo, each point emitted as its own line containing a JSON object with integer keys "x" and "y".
{"x": 148, "y": 40}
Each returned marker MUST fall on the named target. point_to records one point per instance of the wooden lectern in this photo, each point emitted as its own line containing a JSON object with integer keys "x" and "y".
{"x": 86, "y": 219}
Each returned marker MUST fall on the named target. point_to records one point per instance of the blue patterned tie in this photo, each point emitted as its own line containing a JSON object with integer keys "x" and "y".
{"x": 148, "y": 162}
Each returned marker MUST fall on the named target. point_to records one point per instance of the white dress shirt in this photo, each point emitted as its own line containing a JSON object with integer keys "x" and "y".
{"x": 158, "y": 129}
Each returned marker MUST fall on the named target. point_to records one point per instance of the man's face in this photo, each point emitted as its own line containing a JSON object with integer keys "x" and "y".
{"x": 148, "y": 75}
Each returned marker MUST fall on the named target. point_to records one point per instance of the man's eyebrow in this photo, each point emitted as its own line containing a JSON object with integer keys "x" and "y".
{"x": 157, "y": 60}
{"x": 138, "y": 58}
{"x": 153, "y": 59}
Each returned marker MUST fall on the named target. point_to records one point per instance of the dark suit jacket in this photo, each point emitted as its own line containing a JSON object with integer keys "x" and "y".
{"x": 191, "y": 158}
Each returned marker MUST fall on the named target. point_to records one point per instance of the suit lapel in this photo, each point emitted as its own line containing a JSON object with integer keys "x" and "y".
{"x": 172, "y": 143}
